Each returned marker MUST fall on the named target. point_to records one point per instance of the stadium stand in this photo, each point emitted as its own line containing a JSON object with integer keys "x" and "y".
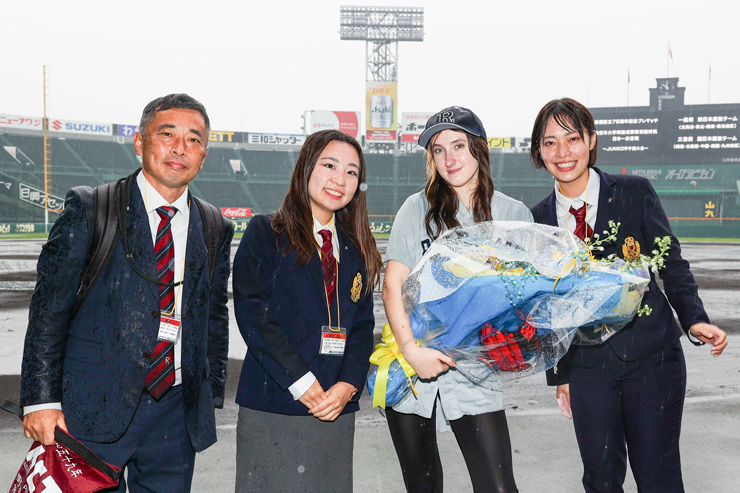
{"x": 235, "y": 175}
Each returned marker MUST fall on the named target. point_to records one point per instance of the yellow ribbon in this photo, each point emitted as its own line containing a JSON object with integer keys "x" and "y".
{"x": 580, "y": 254}
{"x": 385, "y": 353}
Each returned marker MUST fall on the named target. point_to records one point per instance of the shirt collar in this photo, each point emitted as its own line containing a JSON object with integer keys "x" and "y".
{"x": 591, "y": 193}
{"x": 152, "y": 198}
{"x": 317, "y": 226}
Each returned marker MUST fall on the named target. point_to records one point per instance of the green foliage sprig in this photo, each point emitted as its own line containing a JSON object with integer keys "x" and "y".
{"x": 655, "y": 262}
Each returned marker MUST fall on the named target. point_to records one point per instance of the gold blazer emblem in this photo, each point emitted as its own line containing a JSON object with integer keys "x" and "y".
{"x": 631, "y": 248}
{"x": 356, "y": 288}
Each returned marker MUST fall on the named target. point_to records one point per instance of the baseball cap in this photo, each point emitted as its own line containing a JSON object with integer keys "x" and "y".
{"x": 454, "y": 117}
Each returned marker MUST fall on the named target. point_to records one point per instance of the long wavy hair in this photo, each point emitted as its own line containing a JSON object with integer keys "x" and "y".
{"x": 294, "y": 216}
{"x": 442, "y": 199}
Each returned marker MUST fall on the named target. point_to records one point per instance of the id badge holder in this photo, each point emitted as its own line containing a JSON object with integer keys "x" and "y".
{"x": 169, "y": 329}
{"x": 333, "y": 340}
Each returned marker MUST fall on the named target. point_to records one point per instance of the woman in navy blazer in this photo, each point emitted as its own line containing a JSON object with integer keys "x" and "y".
{"x": 627, "y": 394}
{"x": 299, "y": 387}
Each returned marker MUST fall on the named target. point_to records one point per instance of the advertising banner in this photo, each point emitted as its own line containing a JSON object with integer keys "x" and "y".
{"x": 276, "y": 139}
{"x": 412, "y": 125}
{"x": 500, "y": 142}
{"x": 36, "y": 197}
{"x": 24, "y": 122}
{"x": 126, "y": 130}
{"x": 380, "y": 123}
{"x": 344, "y": 121}
{"x": 223, "y": 136}
{"x": 236, "y": 211}
{"x": 75, "y": 127}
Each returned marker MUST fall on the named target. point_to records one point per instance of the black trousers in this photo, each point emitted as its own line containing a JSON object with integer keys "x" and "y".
{"x": 630, "y": 408}
{"x": 483, "y": 440}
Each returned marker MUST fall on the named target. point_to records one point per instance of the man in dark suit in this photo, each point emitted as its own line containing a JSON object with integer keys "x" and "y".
{"x": 626, "y": 394}
{"x": 136, "y": 373}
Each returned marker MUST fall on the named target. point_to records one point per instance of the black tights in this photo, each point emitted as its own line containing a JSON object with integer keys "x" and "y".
{"x": 483, "y": 440}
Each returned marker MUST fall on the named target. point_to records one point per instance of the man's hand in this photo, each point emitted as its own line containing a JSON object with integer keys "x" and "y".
{"x": 337, "y": 397}
{"x": 40, "y": 425}
{"x": 313, "y": 396}
{"x": 711, "y": 334}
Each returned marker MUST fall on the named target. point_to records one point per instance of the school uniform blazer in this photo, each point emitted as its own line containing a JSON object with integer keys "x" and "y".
{"x": 96, "y": 363}
{"x": 280, "y": 308}
{"x": 632, "y": 201}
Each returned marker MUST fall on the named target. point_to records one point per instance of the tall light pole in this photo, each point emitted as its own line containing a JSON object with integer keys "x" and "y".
{"x": 47, "y": 152}
{"x": 381, "y": 28}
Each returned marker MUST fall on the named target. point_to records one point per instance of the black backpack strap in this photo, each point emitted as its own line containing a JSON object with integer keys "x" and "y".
{"x": 213, "y": 226}
{"x": 102, "y": 237}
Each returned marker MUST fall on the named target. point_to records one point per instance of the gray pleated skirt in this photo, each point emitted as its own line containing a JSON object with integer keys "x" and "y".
{"x": 280, "y": 453}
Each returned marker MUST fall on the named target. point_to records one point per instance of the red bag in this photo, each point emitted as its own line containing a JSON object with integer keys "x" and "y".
{"x": 68, "y": 466}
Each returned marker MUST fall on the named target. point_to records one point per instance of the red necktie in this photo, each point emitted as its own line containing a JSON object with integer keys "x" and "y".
{"x": 583, "y": 230}
{"x": 328, "y": 265}
{"x": 162, "y": 368}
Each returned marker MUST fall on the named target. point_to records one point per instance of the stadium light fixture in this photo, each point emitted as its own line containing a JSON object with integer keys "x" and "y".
{"x": 381, "y": 28}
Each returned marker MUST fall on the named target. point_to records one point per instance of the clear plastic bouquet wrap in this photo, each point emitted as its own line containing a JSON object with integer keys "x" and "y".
{"x": 508, "y": 298}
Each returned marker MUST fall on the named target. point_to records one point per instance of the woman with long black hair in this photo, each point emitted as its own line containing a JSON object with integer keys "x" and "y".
{"x": 303, "y": 282}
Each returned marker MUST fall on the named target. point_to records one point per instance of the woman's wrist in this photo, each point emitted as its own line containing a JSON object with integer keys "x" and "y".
{"x": 406, "y": 344}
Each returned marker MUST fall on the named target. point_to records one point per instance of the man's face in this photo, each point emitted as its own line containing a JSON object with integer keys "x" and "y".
{"x": 173, "y": 150}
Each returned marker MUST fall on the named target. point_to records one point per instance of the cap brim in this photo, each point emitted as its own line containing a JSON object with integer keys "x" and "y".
{"x": 430, "y": 132}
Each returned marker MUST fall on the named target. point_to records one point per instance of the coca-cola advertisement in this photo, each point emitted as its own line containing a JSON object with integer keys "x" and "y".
{"x": 236, "y": 211}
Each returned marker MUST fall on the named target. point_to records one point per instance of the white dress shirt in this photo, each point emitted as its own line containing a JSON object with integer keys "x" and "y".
{"x": 302, "y": 385}
{"x": 590, "y": 196}
{"x": 179, "y": 228}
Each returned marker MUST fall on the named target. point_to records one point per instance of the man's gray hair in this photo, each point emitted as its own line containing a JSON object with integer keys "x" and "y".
{"x": 173, "y": 101}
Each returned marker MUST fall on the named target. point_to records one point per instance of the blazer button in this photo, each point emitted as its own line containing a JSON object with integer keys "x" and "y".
{"x": 147, "y": 355}
{"x": 155, "y": 314}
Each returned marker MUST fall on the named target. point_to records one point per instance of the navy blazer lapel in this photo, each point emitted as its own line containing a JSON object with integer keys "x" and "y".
{"x": 196, "y": 256}
{"x": 316, "y": 270}
{"x": 348, "y": 269}
{"x": 550, "y": 211}
{"x": 605, "y": 212}
{"x": 140, "y": 237}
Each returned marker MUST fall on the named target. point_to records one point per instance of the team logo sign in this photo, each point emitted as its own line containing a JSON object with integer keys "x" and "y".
{"x": 630, "y": 248}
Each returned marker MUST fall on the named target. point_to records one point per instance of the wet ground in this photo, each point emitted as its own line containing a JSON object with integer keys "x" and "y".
{"x": 546, "y": 456}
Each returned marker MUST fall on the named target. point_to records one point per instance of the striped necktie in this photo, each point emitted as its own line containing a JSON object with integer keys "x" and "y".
{"x": 328, "y": 265}
{"x": 583, "y": 230}
{"x": 162, "y": 368}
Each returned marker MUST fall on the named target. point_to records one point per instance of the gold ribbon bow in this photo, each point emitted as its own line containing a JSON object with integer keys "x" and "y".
{"x": 385, "y": 353}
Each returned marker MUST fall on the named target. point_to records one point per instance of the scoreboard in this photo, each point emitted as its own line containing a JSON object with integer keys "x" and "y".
{"x": 668, "y": 132}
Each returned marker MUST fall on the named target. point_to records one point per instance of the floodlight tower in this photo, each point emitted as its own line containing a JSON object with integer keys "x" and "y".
{"x": 381, "y": 28}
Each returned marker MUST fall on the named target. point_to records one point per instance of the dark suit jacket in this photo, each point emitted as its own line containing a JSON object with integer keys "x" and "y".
{"x": 280, "y": 309}
{"x": 632, "y": 201}
{"x": 95, "y": 364}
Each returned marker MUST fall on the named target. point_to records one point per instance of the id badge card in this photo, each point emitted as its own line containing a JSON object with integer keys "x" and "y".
{"x": 333, "y": 340}
{"x": 169, "y": 329}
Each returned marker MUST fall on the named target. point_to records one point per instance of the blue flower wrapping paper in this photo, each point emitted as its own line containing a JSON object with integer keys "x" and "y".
{"x": 510, "y": 298}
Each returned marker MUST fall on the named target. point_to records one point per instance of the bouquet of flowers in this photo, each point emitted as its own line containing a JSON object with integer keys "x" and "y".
{"x": 509, "y": 298}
